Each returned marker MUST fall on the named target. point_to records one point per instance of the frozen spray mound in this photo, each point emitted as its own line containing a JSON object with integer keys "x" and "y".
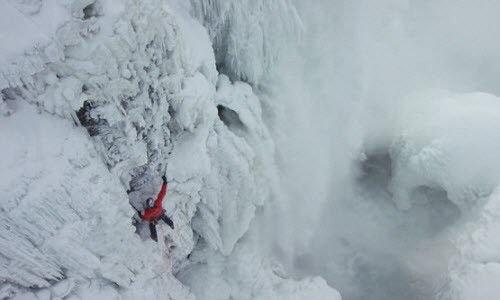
{"x": 452, "y": 145}
{"x": 421, "y": 215}
{"x": 441, "y": 135}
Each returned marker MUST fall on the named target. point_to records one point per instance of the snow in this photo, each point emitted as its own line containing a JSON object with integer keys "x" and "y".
{"x": 245, "y": 275}
{"x": 431, "y": 149}
{"x": 27, "y": 30}
{"x": 116, "y": 94}
{"x": 475, "y": 271}
{"x": 248, "y": 36}
{"x": 65, "y": 219}
{"x": 309, "y": 147}
{"x": 33, "y": 35}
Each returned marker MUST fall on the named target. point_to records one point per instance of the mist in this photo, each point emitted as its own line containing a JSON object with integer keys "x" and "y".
{"x": 354, "y": 85}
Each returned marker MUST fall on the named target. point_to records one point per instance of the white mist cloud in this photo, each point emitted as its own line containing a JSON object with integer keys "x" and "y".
{"x": 350, "y": 91}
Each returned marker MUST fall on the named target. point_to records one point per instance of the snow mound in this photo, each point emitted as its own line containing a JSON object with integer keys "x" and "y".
{"x": 441, "y": 150}
{"x": 440, "y": 134}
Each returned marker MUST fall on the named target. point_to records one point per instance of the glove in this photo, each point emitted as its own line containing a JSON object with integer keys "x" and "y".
{"x": 164, "y": 179}
{"x": 171, "y": 223}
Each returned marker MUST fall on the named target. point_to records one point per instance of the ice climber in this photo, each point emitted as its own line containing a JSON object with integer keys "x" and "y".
{"x": 154, "y": 211}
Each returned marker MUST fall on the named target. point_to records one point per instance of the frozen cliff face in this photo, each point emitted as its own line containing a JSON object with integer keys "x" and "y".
{"x": 249, "y": 36}
{"x": 65, "y": 224}
{"x": 101, "y": 97}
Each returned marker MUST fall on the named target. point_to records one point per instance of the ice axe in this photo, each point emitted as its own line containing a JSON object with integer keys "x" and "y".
{"x": 165, "y": 169}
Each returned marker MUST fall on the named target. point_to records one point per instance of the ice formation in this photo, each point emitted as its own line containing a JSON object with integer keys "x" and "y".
{"x": 97, "y": 98}
{"x": 311, "y": 146}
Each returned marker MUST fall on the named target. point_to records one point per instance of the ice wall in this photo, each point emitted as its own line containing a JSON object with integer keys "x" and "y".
{"x": 105, "y": 95}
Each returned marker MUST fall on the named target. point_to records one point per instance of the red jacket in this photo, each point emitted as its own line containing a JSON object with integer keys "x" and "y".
{"x": 152, "y": 213}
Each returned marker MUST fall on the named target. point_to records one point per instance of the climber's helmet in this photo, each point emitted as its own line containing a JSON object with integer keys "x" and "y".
{"x": 150, "y": 202}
